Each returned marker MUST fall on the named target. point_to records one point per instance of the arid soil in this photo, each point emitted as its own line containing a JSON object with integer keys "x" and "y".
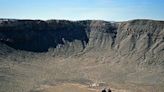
{"x": 62, "y": 55}
{"x": 68, "y": 87}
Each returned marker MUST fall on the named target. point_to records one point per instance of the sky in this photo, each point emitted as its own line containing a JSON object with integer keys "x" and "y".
{"x": 110, "y": 10}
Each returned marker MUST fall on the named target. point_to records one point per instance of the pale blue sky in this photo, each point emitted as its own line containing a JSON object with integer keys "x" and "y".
{"x": 111, "y": 10}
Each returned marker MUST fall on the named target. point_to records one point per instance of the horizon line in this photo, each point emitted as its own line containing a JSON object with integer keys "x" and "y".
{"x": 80, "y": 19}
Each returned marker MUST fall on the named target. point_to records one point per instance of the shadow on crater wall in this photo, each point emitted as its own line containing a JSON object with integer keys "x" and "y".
{"x": 39, "y": 36}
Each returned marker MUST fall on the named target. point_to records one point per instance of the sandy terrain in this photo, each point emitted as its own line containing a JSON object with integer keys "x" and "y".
{"x": 69, "y": 87}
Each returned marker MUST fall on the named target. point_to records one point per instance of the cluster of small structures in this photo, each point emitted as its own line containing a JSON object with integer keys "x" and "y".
{"x": 94, "y": 85}
{"x": 98, "y": 84}
{"x": 101, "y": 84}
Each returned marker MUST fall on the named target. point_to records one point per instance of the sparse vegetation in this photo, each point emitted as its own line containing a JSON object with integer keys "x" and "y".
{"x": 127, "y": 56}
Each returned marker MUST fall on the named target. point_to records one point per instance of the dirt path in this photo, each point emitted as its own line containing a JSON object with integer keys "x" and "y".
{"x": 68, "y": 87}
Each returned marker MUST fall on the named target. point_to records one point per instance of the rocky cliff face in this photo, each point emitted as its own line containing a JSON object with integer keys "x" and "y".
{"x": 142, "y": 40}
{"x": 139, "y": 40}
{"x": 39, "y": 36}
{"x": 33, "y": 52}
